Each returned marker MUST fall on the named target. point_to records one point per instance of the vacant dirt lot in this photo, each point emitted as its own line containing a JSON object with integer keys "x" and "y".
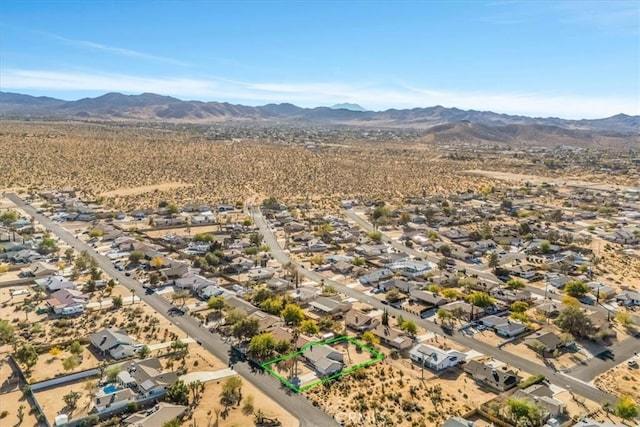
{"x": 210, "y": 409}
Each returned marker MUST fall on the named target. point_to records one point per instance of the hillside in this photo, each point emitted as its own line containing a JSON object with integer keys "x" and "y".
{"x": 442, "y": 124}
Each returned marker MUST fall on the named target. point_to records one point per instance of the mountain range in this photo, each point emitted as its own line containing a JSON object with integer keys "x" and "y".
{"x": 444, "y": 123}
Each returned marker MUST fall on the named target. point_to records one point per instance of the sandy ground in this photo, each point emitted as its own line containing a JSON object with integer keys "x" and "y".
{"x": 53, "y": 405}
{"x": 182, "y": 231}
{"x": 132, "y": 191}
{"x": 621, "y": 380}
{"x": 11, "y": 402}
{"x": 509, "y": 176}
{"x": 205, "y": 413}
{"x": 383, "y": 383}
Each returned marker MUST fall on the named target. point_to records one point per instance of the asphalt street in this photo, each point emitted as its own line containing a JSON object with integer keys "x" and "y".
{"x": 560, "y": 379}
{"x": 297, "y": 405}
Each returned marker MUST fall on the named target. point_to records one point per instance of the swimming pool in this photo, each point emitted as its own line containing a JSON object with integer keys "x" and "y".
{"x": 110, "y": 389}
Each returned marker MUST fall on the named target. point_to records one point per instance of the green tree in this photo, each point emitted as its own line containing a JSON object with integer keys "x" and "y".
{"x": 9, "y": 217}
{"x": 178, "y": 393}
{"x": 626, "y": 408}
{"x": 519, "y": 307}
{"x": 624, "y": 319}
{"x": 522, "y": 411}
{"x": 217, "y": 303}
{"x": 173, "y": 209}
{"x": 76, "y": 348}
{"x": 144, "y": 352}
{"x": 494, "y": 261}
{"x": 231, "y": 393}
{"x": 481, "y": 299}
{"x": 393, "y": 295}
{"x": 48, "y": 245}
{"x": 450, "y": 293}
{"x": 573, "y": 320}
{"x": 515, "y": 284}
{"x": 376, "y": 236}
{"x": 262, "y": 346}
{"x": 234, "y": 316}
{"x": 309, "y": 327}
{"x": 71, "y": 399}
{"x": 70, "y": 363}
{"x": 112, "y": 372}
{"x": 172, "y": 423}
{"x": 545, "y": 246}
{"x": 260, "y": 295}
{"x": 409, "y": 327}
{"x": 117, "y": 301}
{"x": 444, "y": 315}
{"x": 576, "y": 288}
{"x": 69, "y": 255}
{"x": 292, "y": 314}
{"x": 245, "y": 329}
{"x": 27, "y": 355}
{"x": 359, "y": 261}
{"x": 370, "y": 338}
{"x": 7, "y": 331}
{"x": 136, "y": 256}
{"x": 272, "y": 306}
{"x": 445, "y": 250}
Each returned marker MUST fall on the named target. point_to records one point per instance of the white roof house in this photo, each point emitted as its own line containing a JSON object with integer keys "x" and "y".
{"x": 436, "y": 358}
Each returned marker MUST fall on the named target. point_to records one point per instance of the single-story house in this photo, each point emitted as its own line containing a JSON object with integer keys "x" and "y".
{"x": 325, "y": 359}
{"x": 602, "y": 291}
{"x": 549, "y": 309}
{"x": 159, "y": 415}
{"x": 114, "y": 342}
{"x": 503, "y": 327}
{"x": 628, "y": 298}
{"x": 400, "y": 284}
{"x": 427, "y": 298}
{"x": 342, "y": 267}
{"x": 360, "y": 321}
{"x": 39, "y": 270}
{"x": 240, "y": 304}
{"x": 376, "y": 276}
{"x": 265, "y": 321}
{"x": 542, "y": 395}
{"x": 435, "y": 358}
{"x": 304, "y": 295}
{"x": 55, "y": 283}
{"x": 500, "y": 379}
{"x": 261, "y": 273}
{"x": 392, "y": 337}
{"x": 193, "y": 282}
{"x": 68, "y": 301}
{"x": 410, "y": 268}
{"x": 524, "y": 271}
{"x": 325, "y": 306}
{"x": 458, "y": 422}
{"x": 549, "y": 341}
{"x": 510, "y": 295}
{"x": 464, "y": 310}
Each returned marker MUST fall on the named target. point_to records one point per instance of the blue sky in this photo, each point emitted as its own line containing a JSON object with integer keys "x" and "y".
{"x": 568, "y": 59}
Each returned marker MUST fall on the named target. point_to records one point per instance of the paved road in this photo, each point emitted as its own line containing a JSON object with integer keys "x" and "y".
{"x": 295, "y": 404}
{"x": 620, "y": 353}
{"x": 558, "y": 378}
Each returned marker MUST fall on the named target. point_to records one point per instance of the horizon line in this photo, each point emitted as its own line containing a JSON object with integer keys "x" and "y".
{"x": 257, "y": 105}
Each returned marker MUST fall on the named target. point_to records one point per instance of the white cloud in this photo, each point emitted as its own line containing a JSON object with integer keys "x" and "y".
{"x": 322, "y": 93}
{"x": 115, "y": 50}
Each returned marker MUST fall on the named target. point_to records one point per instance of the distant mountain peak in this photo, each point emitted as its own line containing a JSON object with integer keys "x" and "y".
{"x": 348, "y": 106}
